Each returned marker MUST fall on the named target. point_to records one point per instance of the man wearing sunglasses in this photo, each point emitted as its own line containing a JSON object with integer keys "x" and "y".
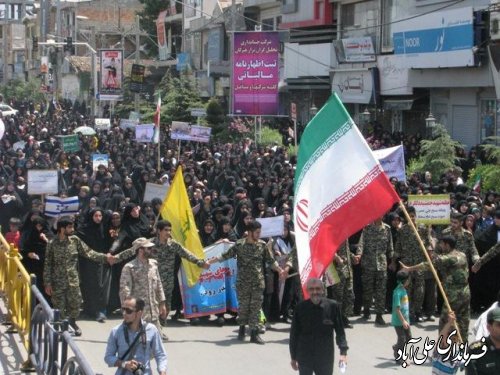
{"x": 133, "y": 343}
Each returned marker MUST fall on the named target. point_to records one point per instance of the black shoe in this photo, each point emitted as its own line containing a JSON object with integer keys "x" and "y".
{"x": 255, "y": 338}
{"x": 220, "y": 321}
{"x": 241, "y": 333}
{"x": 379, "y": 320}
{"x": 101, "y": 318}
{"x": 429, "y": 318}
{"x": 194, "y": 322}
{"x": 77, "y": 331}
{"x": 177, "y": 315}
{"x": 347, "y": 323}
{"x": 366, "y": 314}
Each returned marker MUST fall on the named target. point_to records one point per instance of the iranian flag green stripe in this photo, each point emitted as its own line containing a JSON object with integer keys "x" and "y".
{"x": 339, "y": 187}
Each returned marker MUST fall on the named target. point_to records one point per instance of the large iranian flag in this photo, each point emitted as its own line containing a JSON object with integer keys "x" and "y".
{"x": 339, "y": 187}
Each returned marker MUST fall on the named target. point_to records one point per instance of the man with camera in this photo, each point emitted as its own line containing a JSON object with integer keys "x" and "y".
{"x": 133, "y": 343}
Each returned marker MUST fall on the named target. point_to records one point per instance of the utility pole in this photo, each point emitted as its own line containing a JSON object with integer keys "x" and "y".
{"x": 231, "y": 53}
{"x": 5, "y": 42}
{"x": 137, "y": 57}
{"x": 94, "y": 72}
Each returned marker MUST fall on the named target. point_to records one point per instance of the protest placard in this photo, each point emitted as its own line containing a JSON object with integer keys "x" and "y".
{"x": 70, "y": 143}
{"x": 155, "y": 191}
{"x": 42, "y": 181}
{"x": 272, "y": 226}
{"x": 431, "y": 209}
{"x": 392, "y": 160}
{"x": 98, "y": 159}
{"x": 144, "y": 133}
{"x": 102, "y": 124}
{"x": 215, "y": 291}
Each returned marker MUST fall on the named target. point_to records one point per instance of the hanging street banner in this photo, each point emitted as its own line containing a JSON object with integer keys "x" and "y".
{"x": 111, "y": 82}
{"x": 163, "y": 51}
{"x": 70, "y": 143}
{"x": 431, "y": 209}
{"x": 215, "y": 291}
{"x": 255, "y": 73}
{"x": 137, "y": 77}
{"x": 392, "y": 160}
{"x": 56, "y": 206}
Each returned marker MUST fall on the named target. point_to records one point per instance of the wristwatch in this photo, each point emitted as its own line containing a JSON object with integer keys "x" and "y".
{"x": 123, "y": 364}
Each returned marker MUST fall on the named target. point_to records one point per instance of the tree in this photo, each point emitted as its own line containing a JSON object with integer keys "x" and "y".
{"x": 23, "y": 90}
{"x": 147, "y": 21}
{"x": 489, "y": 173}
{"x": 437, "y": 154}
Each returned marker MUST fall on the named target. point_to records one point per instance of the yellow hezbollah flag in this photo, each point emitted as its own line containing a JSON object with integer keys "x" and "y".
{"x": 177, "y": 209}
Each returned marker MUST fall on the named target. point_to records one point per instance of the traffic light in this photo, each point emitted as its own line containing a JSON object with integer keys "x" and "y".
{"x": 69, "y": 45}
{"x": 35, "y": 44}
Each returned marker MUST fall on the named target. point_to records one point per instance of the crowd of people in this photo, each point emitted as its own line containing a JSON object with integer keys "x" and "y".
{"x": 229, "y": 185}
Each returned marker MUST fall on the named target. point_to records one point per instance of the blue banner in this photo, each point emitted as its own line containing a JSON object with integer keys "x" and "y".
{"x": 443, "y": 39}
{"x": 215, "y": 291}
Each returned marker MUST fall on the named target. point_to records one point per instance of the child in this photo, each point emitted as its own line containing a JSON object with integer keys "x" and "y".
{"x": 13, "y": 235}
{"x": 401, "y": 311}
{"x": 439, "y": 366}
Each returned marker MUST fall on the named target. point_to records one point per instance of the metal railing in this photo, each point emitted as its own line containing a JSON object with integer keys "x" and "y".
{"x": 45, "y": 336}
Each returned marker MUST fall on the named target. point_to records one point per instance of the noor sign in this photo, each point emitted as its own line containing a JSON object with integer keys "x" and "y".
{"x": 255, "y": 73}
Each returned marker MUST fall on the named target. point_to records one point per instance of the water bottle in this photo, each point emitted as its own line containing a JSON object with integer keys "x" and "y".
{"x": 342, "y": 367}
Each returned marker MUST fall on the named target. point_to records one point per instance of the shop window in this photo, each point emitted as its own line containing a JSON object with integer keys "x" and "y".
{"x": 268, "y": 24}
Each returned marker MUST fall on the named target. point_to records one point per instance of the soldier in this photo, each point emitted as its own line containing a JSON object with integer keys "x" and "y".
{"x": 251, "y": 253}
{"x": 140, "y": 277}
{"x": 408, "y": 250}
{"x": 489, "y": 362}
{"x": 464, "y": 238}
{"x": 374, "y": 249}
{"x": 342, "y": 291}
{"x": 489, "y": 255}
{"x": 164, "y": 252}
{"x": 60, "y": 274}
{"x": 454, "y": 271}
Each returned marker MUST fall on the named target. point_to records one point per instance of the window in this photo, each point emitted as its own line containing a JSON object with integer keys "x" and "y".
{"x": 490, "y": 118}
{"x": 360, "y": 19}
{"x": 289, "y": 6}
{"x": 392, "y": 11}
{"x": 268, "y": 24}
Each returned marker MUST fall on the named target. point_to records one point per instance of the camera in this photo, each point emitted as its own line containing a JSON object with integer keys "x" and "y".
{"x": 140, "y": 369}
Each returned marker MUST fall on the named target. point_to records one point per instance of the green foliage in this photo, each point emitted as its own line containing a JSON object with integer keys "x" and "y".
{"x": 147, "y": 21}
{"x": 415, "y": 165}
{"x": 215, "y": 113}
{"x": 292, "y": 150}
{"x": 22, "y": 90}
{"x": 270, "y": 136}
{"x": 490, "y": 176}
{"x": 491, "y": 149}
{"x": 437, "y": 154}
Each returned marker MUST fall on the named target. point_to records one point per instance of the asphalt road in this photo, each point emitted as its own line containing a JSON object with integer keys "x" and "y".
{"x": 209, "y": 349}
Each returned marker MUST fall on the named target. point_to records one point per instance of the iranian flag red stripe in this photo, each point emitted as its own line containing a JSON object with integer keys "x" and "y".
{"x": 339, "y": 188}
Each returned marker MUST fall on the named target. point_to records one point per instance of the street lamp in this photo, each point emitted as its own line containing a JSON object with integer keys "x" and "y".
{"x": 430, "y": 122}
{"x": 313, "y": 110}
{"x": 365, "y": 118}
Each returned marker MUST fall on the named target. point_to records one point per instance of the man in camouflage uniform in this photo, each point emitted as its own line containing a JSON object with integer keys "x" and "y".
{"x": 342, "y": 292}
{"x": 141, "y": 278}
{"x": 374, "y": 249}
{"x": 489, "y": 255}
{"x": 464, "y": 238}
{"x": 251, "y": 254}
{"x": 165, "y": 249}
{"x": 408, "y": 250}
{"x": 60, "y": 273}
{"x": 454, "y": 271}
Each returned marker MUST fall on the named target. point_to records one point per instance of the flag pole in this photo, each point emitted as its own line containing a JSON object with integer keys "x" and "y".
{"x": 433, "y": 270}
{"x": 159, "y": 149}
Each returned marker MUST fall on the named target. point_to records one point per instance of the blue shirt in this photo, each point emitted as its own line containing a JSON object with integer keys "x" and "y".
{"x": 400, "y": 299}
{"x": 152, "y": 346}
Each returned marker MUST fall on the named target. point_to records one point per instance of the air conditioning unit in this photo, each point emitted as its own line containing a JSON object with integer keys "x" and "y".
{"x": 495, "y": 26}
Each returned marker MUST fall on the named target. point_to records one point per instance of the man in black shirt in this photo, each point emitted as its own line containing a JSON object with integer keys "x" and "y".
{"x": 487, "y": 358}
{"x": 311, "y": 335}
